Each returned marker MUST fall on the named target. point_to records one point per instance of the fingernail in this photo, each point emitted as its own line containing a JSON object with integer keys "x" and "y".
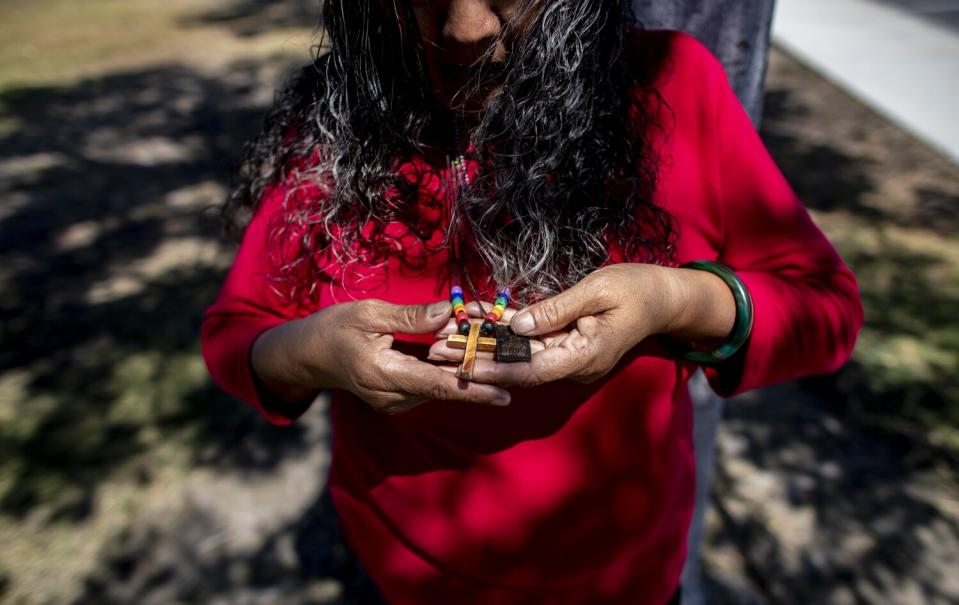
{"x": 523, "y": 323}
{"x": 438, "y": 308}
{"x": 502, "y": 400}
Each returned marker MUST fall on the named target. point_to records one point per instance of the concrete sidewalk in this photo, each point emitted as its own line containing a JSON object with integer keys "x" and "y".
{"x": 902, "y": 58}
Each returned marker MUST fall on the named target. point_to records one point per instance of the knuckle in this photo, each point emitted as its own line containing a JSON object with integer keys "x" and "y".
{"x": 588, "y": 378}
{"x": 393, "y": 409}
{"x": 366, "y": 383}
{"x": 551, "y": 311}
{"x": 581, "y": 347}
{"x": 529, "y": 382}
{"x": 410, "y": 315}
{"x": 599, "y": 366}
{"x": 604, "y": 290}
{"x": 364, "y": 306}
{"x": 388, "y": 404}
{"x": 592, "y": 365}
{"x": 437, "y": 391}
{"x": 378, "y": 402}
{"x": 364, "y": 376}
{"x": 529, "y": 379}
{"x": 366, "y": 309}
{"x": 370, "y": 375}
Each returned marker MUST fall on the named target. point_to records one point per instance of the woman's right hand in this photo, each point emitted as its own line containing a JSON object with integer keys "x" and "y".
{"x": 349, "y": 346}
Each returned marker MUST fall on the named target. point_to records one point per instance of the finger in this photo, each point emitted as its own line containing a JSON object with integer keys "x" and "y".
{"x": 416, "y": 378}
{"x": 555, "y": 339}
{"x": 441, "y": 351}
{"x": 394, "y": 403}
{"x": 557, "y": 312}
{"x": 545, "y": 366}
{"x": 449, "y": 328}
{"x": 387, "y": 318}
{"x": 473, "y": 308}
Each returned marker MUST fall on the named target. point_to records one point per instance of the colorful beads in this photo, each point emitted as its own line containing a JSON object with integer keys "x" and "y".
{"x": 496, "y": 313}
{"x": 489, "y": 322}
{"x": 459, "y": 310}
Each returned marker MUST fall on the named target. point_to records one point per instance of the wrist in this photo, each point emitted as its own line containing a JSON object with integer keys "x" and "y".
{"x": 673, "y": 301}
{"x": 280, "y": 362}
{"x": 658, "y": 300}
{"x": 700, "y": 306}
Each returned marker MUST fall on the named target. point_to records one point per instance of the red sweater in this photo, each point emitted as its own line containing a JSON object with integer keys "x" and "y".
{"x": 573, "y": 493}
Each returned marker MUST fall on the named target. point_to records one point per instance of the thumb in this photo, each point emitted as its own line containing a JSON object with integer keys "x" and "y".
{"x": 555, "y": 313}
{"x": 411, "y": 319}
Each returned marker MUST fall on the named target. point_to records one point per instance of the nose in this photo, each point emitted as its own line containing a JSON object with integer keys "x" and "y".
{"x": 471, "y": 25}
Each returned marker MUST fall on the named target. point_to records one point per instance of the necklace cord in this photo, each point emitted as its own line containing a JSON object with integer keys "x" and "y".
{"x": 461, "y": 180}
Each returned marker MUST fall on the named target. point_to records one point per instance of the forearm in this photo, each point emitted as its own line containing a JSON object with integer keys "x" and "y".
{"x": 277, "y": 360}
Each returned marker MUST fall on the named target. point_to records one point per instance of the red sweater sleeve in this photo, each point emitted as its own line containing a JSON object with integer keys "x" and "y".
{"x": 246, "y": 307}
{"x": 807, "y": 307}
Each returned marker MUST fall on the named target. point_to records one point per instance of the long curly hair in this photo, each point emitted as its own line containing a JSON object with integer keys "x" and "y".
{"x": 567, "y": 168}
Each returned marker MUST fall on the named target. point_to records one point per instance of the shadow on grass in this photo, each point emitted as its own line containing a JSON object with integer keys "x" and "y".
{"x": 843, "y": 466}
{"x": 108, "y": 257}
{"x": 910, "y": 290}
{"x": 936, "y": 210}
{"x": 851, "y": 499}
{"x": 824, "y": 177}
{"x": 253, "y": 17}
{"x": 302, "y": 563}
{"x": 109, "y": 253}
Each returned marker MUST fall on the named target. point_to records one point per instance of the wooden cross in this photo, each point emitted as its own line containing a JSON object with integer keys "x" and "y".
{"x": 505, "y": 346}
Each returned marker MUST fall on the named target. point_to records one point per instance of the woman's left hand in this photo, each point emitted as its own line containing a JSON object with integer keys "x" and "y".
{"x": 587, "y": 329}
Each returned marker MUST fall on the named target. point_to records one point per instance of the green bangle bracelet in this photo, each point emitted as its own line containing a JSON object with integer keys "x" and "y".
{"x": 743, "y": 325}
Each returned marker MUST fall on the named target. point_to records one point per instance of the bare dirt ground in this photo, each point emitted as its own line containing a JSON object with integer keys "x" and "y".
{"x": 127, "y": 477}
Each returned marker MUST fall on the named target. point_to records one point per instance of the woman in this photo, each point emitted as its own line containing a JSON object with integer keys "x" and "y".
{"x": 543, "y": 146}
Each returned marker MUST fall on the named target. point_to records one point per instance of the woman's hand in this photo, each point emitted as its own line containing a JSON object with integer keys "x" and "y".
{"x": 349, "y": 346}
{"x": 584, "y": 331}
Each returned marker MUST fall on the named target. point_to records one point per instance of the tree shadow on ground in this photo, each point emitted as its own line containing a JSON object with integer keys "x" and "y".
{"x": 303, "y": 563}
{"x": 253, "y": 17}
{"x": 108, "y": 257}
{"x": 823, "y": 176}
{"x": 830, "y": 489}
{"x": 912, "y": 307}
{"x": 835, "y": 162}
{"x": 936, "y": 210}
{"x": 908, "y": 289}
{"x": 852, "y": 500}
{"x": 109, "y": 252}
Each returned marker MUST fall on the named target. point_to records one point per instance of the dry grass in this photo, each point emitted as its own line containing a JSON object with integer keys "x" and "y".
{"x": 63, "y": 41}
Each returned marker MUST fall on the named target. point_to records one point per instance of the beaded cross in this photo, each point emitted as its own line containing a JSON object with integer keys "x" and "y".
{"x": 488, "y": 335}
